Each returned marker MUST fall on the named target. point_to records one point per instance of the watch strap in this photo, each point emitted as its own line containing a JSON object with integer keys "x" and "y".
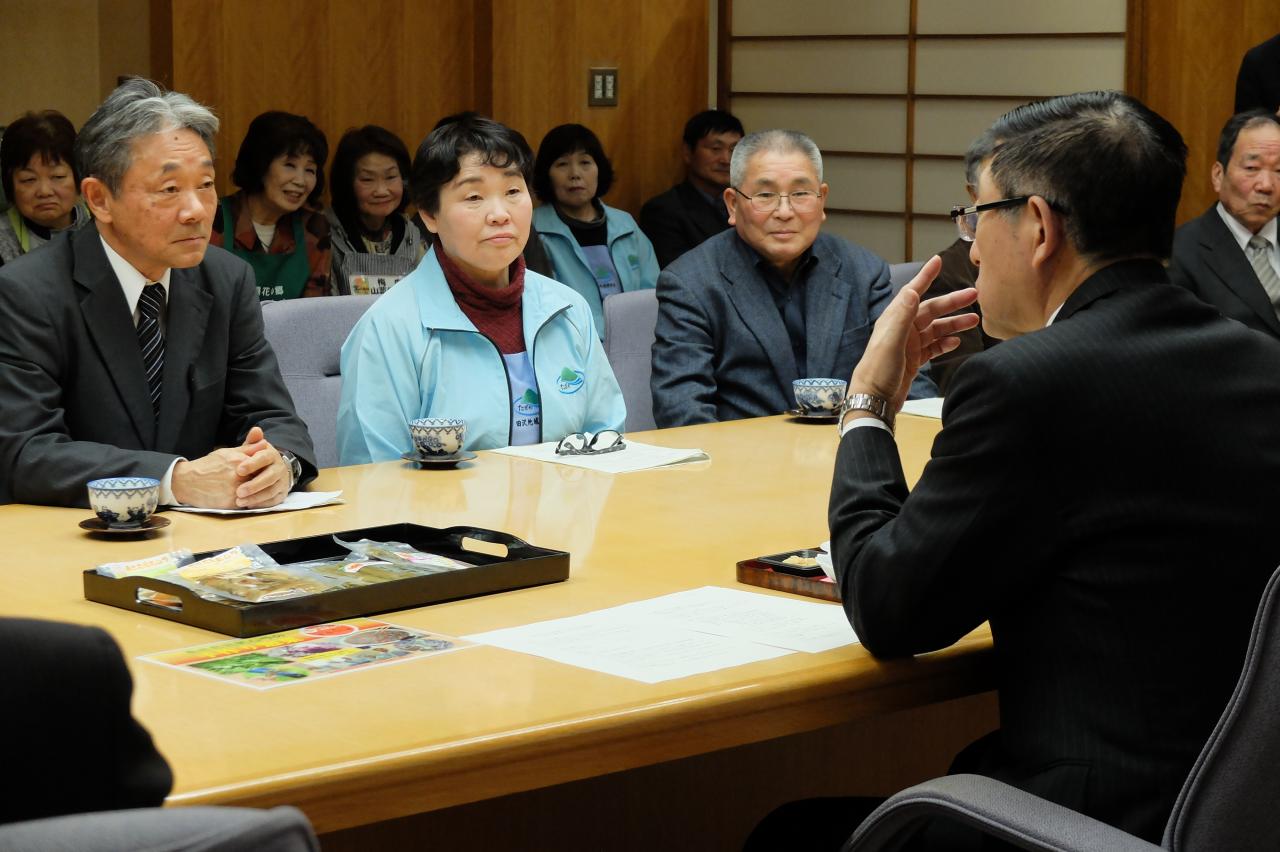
{"x": 876, "y": 406}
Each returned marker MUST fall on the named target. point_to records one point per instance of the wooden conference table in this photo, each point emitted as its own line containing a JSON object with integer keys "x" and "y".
{"x": 484, "y": 746}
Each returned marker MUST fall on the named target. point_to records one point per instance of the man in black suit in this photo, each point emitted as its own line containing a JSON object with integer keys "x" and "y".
{"x": 1258, "y": 80}
{"x": 1104, "y": 486}
{"x": 693, "y": 210}
{"x": 131, "y": 348}
{"x": 1228, "y": 256}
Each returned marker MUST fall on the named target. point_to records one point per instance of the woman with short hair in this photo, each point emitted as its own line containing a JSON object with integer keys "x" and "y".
{"x": 374, "y": 246}
{"x": 471, "y": 333}
{"x": 37, "y": 166}
{"x": 274, "y": 222}
{"x": 596, "y": 249}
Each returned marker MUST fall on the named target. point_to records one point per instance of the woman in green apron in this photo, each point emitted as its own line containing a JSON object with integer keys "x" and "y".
{"x": 39, "y": 180}
{"x": 274, "y": 222}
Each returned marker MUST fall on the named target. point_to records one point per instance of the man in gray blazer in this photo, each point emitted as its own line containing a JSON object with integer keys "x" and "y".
{"x": 1228, "y": 256}
{"x": 752, "y": 309}
{"x": 132, "y": 349}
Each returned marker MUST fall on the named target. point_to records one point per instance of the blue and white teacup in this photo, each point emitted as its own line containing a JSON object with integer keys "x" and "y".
{"x": 438, "y": 436}
{"x": 124, "y": 502}
{"x": 819, "y": 396}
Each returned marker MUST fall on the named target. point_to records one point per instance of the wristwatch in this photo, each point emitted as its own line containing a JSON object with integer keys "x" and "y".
{"x": 876, "y": 406}
{"x": 295, "y": 467}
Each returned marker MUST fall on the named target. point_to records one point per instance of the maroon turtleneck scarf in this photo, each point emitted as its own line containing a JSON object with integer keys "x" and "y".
{"x": 497, "y": 314}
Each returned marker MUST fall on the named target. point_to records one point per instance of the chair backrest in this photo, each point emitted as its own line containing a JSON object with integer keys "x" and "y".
{"x": 629, "y": 322}
{"x": 307, "y": 336}
{"x": 1229, "y": 800}
{"x": 901, "y": 273}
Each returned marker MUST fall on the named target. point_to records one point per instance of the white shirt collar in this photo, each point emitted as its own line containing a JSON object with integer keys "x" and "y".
{"x": 131, "y": 280}
{"x": 1053, "y": 316}
{"x": 1241, "y": 233}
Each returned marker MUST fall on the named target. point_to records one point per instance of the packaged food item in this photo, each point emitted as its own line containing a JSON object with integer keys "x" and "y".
{"x": 246, "y": 573}
{"x": 357, "y": 571}
{"x": 399, "y": 553}
{"x": 152, "y": 566}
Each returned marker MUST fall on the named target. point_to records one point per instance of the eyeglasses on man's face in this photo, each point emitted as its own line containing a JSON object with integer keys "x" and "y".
{"x": 967, "y": 217}
{"x": 801, "y": 201}
{"x": 581, "y": 444}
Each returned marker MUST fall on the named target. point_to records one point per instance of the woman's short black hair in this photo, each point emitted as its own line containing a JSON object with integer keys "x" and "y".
{"x": 354, "y": 144}
{"x": 49, "y": 134}
{"x": 568, "y": 139}
{"x": 439, "y": 157}
{"x": 274, "y": 134}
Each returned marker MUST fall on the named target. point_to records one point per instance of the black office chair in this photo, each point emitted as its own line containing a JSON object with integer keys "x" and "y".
{"x": 282, "y": 829}
{"x": 1231, "y": 799}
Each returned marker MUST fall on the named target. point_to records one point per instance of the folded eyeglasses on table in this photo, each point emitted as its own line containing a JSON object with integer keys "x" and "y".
{"x": 586, "y": 444}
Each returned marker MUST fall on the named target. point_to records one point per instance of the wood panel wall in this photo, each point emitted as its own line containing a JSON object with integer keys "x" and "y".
{"x": 405, "y": 63}
{"x": 399, "y": 63}
{"x": 543, "y": 48}
{"x": 1182, "y": 62}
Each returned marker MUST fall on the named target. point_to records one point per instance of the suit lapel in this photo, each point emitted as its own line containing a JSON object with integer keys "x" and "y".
{"x": 755, "y": 306}
{"x": 188, "y": 317}
{"x": 1224, "y": 258}
{"x": 110, "y": 324}
{"x": 825, "y": 310}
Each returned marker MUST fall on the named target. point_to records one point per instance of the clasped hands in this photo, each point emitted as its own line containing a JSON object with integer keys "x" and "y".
{"x": 908, "y": 334}
{"x": 251, "y": 476}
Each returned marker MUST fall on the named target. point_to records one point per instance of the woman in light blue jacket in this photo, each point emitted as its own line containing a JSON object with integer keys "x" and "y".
{"x": 595, "y": 249}
{"x": 471, "y": 333}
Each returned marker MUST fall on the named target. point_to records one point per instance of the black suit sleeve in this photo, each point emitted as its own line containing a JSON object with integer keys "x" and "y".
{"x": 1249, "y": 93}
{"x": 255, "y": 392}
{"x": 48, "y": 467}
{"x": 73, "y": 744}
{"x": 918, "y": 572}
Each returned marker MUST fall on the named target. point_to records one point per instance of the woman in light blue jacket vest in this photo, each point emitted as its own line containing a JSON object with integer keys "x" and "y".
{"x": 471, "y": 333}
{"x": 595, "y": 249}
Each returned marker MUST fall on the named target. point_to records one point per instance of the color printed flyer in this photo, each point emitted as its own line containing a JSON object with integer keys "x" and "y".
{"x": 308, "y": 653}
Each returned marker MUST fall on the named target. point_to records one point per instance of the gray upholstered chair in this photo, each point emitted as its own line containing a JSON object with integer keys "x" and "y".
{"x": 307, "y": 336}
{"x": 901, "y": 273}
{"x": 1229, "y": 801}
{"x": 281, "y": 829}
{"x": 629, "y": 321}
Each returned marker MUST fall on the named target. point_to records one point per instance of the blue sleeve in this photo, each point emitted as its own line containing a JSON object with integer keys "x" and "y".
{"x": 648, "y": 262}
{"x": 380, "y": 392}
{"x": 605, "y": 406}
{"x": 683, "y": 380}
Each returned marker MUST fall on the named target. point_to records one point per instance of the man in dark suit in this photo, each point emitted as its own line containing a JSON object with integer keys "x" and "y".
{"x": 1258, "y": 81}
{"x": 1228, "y": 256}
{"x": 127, "y": 349}
{"x": 751, "y": 310}
{"x": 1104, "y": 483}
{"x": 693, "y": 210}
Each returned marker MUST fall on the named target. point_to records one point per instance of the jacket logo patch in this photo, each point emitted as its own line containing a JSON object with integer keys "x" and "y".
{"x": 570, "y": 381}
{"x": 527, "y": 404}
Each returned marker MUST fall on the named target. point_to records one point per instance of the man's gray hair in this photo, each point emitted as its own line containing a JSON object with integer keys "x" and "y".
{"x": 137, "y": 108}
{"x": 776, "y": 141}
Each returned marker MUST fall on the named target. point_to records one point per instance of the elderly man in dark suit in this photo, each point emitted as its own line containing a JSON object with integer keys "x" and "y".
{"x": 751, "y": 310}
{"x": 1104, "y": 482}
{"x": 131, "y": 348}
{"x": 693, "y": 210}
{"x": 1228, "y": 256}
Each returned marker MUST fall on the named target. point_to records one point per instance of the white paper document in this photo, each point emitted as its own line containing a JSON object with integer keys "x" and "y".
{"x": 295, "y": 501}
{"x": 767, "y": 619}
{"x": 931, "y": 407}
{"x": 681, "y": 634}
{"x": 635, "y": 456}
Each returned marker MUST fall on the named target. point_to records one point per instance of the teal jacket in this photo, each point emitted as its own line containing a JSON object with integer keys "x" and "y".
{"x": 415, "y": 354}
{"x": 631, "y": 250}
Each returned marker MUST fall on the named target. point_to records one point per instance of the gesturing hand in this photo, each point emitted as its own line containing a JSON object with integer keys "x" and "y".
{"x": 908, "y": 334}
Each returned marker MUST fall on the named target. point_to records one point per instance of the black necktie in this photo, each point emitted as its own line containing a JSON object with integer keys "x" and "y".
{"x": 151, "y": 341}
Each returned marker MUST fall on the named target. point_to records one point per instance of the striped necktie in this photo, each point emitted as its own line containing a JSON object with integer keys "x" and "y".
{"x": 151, "y": 341}
{"x": 1259, "y": 253}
